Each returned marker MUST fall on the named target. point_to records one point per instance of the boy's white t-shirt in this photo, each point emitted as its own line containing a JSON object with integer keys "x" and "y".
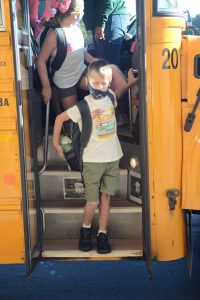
{"x": 103, "y": 145}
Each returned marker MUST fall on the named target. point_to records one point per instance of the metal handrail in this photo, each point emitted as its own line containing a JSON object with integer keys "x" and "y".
{"x": 45, "y": 149}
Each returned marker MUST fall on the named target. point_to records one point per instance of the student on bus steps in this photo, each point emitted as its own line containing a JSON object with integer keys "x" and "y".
{"x": 102, "y": 154}
{"x": 41, "y": 11}
{"x": 72, "y": 71}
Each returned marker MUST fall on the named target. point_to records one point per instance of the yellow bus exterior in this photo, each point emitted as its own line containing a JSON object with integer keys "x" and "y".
{"x": 164, "y": 35}
{"x": 168, "y": 59}
{"x": 11, "y": 217}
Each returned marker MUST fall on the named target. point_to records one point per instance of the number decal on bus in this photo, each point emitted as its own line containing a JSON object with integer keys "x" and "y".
{"x": 174, "y": 59}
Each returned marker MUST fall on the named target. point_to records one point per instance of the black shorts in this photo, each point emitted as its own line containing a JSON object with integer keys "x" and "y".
{"x": 71, "y": 91}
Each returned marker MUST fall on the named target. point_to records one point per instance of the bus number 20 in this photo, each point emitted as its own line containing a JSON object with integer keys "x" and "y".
{"x": 171, "y": 59}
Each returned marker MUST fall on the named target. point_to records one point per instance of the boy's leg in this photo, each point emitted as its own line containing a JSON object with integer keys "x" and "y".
{"x": 85, "y": 240}
{"x": 92, "y": 174}
{"x": 104, "y": 211}
{"x": 109, "y": 183}
{"x": 103, "y": 246}
{"x": 89, "y": 212}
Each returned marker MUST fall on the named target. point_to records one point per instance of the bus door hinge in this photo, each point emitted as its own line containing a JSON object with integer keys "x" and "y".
{"x": 172, "y": 194}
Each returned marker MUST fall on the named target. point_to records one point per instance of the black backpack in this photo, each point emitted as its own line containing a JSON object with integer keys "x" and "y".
{"x": 56, "y": 63}
{"x": 79, "y": 138}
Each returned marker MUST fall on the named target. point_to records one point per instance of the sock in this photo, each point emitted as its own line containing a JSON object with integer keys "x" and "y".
{"x": 86, "y": 226}
{"x": 101, "y": 231}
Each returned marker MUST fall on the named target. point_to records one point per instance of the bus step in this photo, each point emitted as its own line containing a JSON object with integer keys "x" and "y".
{"x": 67, "y": 185}
{"x": 65, "y": 223}
{"x": 68, "y": 248}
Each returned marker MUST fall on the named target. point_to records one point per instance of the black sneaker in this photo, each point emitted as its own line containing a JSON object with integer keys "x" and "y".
{"x": 85, "y": 241}
{"x": 103, "y": 246}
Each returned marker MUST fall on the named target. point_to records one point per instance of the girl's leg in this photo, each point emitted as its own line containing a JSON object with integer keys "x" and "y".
{"x": 66, "y": 103}
{"x": 83, "y": 83}
{"x": 55, "y": 102}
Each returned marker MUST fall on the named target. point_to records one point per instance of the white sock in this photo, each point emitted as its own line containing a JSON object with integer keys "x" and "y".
{"x": 101, "y": 231}
{"x": 86, "y": 226}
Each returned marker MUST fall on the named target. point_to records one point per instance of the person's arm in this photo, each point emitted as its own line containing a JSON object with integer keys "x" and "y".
{"x": 57, "y": 130}
{"x": 88, "y": 57}
{"x": 89, "y": 17}
{"x": 105, "y": 9}
{"x": 34, "y": 20}
{"x": 131, "y": 81}
{"x": 47, "y": 48}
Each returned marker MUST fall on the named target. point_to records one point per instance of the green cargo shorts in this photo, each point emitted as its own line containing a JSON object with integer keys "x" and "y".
{"x": 100, "y": 177}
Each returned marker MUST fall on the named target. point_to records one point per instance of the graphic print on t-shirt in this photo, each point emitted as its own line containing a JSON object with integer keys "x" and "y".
{"x": 104, "y": 122}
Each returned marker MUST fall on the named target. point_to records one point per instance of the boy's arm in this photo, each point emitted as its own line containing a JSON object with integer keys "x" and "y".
{"x": 131, "y": 80}
{"x": 57, "y": 130}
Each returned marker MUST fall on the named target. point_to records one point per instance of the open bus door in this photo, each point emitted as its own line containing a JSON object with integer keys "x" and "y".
{"x": 27, "y": 142}
{"x": 191, "y": 129}
{"x": 141, "y": 40}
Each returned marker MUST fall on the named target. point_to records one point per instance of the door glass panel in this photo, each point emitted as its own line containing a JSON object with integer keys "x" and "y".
{"x": 2, "y": 16}
{"x": 29, "y": 149}
{"x": 169, "y": 6}
{"x": 21, "y": 7}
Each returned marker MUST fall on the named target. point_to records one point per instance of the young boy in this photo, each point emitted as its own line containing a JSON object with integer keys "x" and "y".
{"x": 102, "y": 154}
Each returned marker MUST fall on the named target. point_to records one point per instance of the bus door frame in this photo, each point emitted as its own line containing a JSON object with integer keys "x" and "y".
{"x": 32, "y": 254}
{"x": 141, "y": 41}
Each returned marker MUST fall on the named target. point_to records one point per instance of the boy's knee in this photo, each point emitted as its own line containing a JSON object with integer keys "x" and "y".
{"x": 92, "y": 204}
{"x": 105, "y": 197}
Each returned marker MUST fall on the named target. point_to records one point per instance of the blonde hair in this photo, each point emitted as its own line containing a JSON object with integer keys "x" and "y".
{"x": 102, "y": 67}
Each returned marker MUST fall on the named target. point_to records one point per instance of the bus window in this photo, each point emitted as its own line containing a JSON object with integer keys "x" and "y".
{"x": 168, "y": 7}
{"x": 2, "y": 19}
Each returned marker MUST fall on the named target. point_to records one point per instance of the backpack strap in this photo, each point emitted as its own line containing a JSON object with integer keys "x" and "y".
{"x": 86, "y": 127}
{"x": 111, "y": 96}
{"x": 61, "y": 47}
{"x": 61, "y": 50}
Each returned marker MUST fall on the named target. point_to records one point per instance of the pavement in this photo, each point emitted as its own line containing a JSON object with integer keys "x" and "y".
{"x": 105, "y": 280}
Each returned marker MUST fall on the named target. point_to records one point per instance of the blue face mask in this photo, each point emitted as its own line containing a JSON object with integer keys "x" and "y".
{"x": 97, "y": 94}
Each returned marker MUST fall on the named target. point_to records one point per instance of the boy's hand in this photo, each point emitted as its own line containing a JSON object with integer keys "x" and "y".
{"x": 59, "y": 149}
{"x": 131, "y": 78}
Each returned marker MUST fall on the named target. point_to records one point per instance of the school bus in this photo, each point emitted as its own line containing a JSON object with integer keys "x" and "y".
{"x": 41, "y": 200}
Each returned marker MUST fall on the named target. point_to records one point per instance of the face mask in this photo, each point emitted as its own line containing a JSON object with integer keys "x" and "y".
{"x": 97, "y": 94}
